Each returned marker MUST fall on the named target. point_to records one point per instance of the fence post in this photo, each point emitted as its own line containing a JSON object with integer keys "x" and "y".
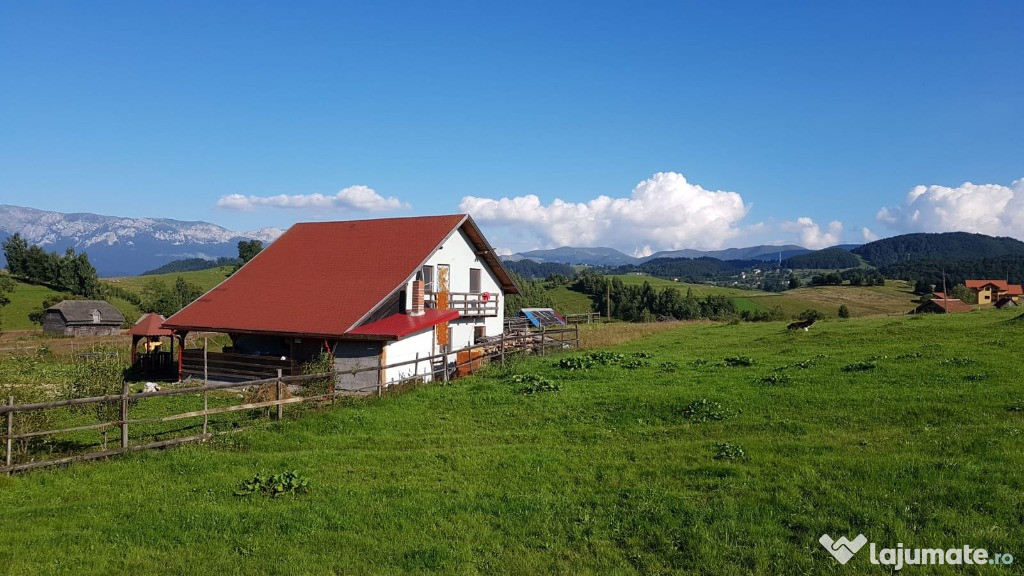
{"x": 502, "y": 347}
{"x": 543, "y": 340}
{"x": 206, "y": 366}
{"x": 10, "y": 432}
{"x": 444, "y": 364}
{"x": 206, "y": 407}
{"x": 124, "y": 415}
{"x": 280, "y": 407}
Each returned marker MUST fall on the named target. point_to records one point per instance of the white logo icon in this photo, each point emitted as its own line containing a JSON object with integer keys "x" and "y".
{"x": 843, "y": 549}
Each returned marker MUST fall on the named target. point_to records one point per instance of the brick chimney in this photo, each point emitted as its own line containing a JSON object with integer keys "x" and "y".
{"x": 417, "y": 296}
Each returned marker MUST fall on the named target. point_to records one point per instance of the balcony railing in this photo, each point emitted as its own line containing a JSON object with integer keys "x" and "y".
{"x": 467, "y": 303}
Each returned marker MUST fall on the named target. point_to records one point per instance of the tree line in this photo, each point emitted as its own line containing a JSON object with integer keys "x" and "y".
{"x": 644, "y": 303}
{"x": 71, "y": 272}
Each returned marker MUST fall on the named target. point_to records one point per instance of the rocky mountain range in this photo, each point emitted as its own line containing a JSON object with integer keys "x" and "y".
{"x": 124, "y": 246}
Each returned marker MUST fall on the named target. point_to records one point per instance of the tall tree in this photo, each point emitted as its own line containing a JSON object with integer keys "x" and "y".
{"x": 248, "y": 249}
{"x": 6, "y": 287}
{"x": 16, "y": 252}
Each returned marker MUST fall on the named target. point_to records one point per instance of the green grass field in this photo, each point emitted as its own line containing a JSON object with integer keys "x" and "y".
{"x": 205, "y": 279}
{"x": 896, "y": 297}
{"x": 567, "y": 301}
{"x": 706, "y": 449}
{"x": 25, "y": 299}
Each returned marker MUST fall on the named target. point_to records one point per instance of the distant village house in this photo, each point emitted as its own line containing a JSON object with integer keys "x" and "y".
{"x": 995, "y": 292}
{"x": 82, "y": 318}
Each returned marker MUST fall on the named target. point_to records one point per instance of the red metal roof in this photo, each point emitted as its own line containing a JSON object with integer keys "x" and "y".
{"x": 322, "y": 278}
{"x": 150, "y": 325}
{"x": 977, "y": 284}
{"x": 1014, "y": 290}
{"x": 400, "y": 325}
{"x": 952, "y": 305}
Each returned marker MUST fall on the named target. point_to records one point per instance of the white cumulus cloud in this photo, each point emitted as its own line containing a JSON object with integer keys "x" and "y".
{"x": 991, "y": 209}
{"x": 810, "y": 234}
{"x": 353, "y": 198}
{"x": 664, "y": 212}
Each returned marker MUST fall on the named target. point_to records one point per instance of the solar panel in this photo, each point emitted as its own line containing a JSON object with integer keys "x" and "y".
{"x": 540, "y": 317}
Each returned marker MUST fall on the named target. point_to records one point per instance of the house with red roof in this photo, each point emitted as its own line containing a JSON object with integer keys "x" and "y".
{"x": 992, "y": 291}
{"x": 938, "y": 305}
{"x": 371, "y": 293}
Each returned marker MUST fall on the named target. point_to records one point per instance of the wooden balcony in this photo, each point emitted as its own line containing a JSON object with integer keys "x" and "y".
{"x": 467, "y": 303}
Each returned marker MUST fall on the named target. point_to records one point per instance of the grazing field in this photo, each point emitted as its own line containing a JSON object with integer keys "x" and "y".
{"x": 24, "y": 300}
{"x": 896, "y": 297}
{"x": 566, "y": 301}
{"x": 205, "y": 279}
{"x": 704, "y": 449}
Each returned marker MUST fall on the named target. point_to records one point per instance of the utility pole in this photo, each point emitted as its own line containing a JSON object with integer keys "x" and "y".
{"x": 608, "y": 298}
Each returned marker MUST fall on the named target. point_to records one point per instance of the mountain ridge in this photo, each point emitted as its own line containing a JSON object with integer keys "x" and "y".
{"x": 121, "y": 246}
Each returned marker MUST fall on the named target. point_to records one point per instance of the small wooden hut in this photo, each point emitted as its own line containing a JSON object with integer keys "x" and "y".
{"x": 83, "y": 318}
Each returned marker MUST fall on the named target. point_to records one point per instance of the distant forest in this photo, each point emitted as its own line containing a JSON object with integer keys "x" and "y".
{"x": 691, "y": 269}
{"x": 931, "y": 270}
{"x": 531, "y": 269}
{"x": 945, "y": 246}
{"x": 827, "y": 259}
{"x": 192, "y": 265}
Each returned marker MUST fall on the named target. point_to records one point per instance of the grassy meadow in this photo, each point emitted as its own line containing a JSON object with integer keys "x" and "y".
{"x": 205, "y": 279}
{"x": 24, "y": 300}
{"x": 896, "y": 297}
{"x": 699, "y": 449}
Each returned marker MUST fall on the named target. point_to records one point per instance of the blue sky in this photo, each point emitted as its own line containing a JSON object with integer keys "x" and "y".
{"x": 641, "y": 126}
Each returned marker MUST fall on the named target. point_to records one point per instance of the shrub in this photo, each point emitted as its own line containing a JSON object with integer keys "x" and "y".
{"x": 532, "y": 384}
{"x": 575, "y": 363}
{"x": 776, "y": 379}
{"x": 274, "y": 485}
{"x": 738, "y": 361}
{"x": 957, "y": 361}
{"x": 727, "y": 451}
{"x": 844, "y": 311}
{"x": 859, "y": 366}
{"x": 606, "y": 358}
{"x": 810, "y": 314}
{"x": 668, "y": 366}
{"x": 703, "y": 410}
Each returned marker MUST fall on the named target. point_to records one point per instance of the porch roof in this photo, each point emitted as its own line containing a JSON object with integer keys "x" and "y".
{"x": 397, "y": 326}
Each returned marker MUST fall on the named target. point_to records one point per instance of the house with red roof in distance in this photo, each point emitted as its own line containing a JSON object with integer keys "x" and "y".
{"x": 370, "y": 293}
{"x": 940, "y": 304}
{"x": 993, "y": 291}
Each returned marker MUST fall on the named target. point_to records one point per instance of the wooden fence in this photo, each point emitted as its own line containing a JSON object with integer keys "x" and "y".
{"x": 467, "y": 360}
{"x": 585, "y": 318}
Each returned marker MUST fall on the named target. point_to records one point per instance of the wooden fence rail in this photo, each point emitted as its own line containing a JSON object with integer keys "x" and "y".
{"x": 536, "y": 342}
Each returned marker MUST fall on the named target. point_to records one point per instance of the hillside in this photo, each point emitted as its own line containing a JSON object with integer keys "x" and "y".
{"x": 192, "y": 265}
{"x": 941, "y": 246}
{"x": 834, "y": 258}
{"x": 707, "y": 449}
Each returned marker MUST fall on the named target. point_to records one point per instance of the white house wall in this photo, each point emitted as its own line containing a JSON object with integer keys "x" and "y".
{"x": 419, "y": 345}
{"x": 458, "y": 253}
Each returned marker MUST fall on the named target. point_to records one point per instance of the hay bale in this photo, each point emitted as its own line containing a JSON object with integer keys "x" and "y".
{"x": 266, "y": 393}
